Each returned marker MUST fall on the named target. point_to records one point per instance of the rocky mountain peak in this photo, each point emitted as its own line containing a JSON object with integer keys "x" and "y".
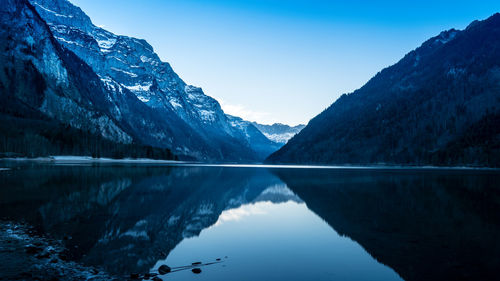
{"x": 65, "y": 12}
{"x": 193, "y": 123}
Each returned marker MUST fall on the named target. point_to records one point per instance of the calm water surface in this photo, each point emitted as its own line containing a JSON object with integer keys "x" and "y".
{"x": 264, "y": 223}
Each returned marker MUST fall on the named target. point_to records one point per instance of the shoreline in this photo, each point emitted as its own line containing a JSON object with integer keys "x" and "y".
{"x": 26, "y": 255}
{"x": 88, "y": 159}
{"x": 343, "y": 167}
{"x": 68, "y": 159}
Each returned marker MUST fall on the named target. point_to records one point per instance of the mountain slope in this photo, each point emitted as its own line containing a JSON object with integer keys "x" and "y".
{"x": 439, "y": 105}
{"x": 257, "y": 140}
{"x": 40, "y": 75}
{"x": 51, "y": 101}
{"x": 198, "y": 126}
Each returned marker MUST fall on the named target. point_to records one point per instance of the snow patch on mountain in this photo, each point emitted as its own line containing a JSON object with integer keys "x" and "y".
{"x": 52, "y": 12}
{"x": 106, "y": 43}
{"x": 60, "y": 39}
{"x": 139, "y": 87}
{"x": 125, "y": 72}
{"x": 280, "y": 138}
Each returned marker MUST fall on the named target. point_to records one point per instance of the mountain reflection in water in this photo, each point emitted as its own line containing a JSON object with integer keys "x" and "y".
{"x": 426, "y": 225}
{"x": 273, "y": 224}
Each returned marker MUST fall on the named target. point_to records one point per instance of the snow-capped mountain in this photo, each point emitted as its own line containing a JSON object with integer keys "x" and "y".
{"x": 197, "y": 125}
{"x": 257, "y": 140}
{"x": 279, "y": 133}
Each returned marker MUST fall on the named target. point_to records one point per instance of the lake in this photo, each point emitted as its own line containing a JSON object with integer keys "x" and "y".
{"x": 258, "y": 223}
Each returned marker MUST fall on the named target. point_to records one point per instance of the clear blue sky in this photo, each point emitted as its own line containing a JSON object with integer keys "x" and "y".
{"x": 277, "y": 60}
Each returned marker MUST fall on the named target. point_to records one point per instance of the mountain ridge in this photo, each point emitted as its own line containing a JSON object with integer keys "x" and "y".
{"x": 128, "y": 64}
{"x": 279, "y": 132}
{"x": 131, "y": 96}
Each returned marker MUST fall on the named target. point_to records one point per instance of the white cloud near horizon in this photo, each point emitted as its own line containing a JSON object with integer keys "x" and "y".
{"x": 246, "y": 113}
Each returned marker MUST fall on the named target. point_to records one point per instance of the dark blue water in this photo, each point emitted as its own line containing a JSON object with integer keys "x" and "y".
{"x": 247, "y": 223}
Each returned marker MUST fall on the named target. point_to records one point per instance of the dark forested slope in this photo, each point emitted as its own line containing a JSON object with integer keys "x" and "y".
{"x": 439, "y": 105}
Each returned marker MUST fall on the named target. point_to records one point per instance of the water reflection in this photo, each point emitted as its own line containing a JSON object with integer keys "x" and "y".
{"x": 272, "y": 224}
{"x": 125, "y": 218}
{"x": 269, "y": 241}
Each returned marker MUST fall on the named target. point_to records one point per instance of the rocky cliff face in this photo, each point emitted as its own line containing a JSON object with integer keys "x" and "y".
{"x": 38, "y": 75}
{"x": 197, "y": 125}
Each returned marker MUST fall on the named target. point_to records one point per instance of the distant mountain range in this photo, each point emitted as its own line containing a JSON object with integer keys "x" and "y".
{"x": 279, "y": 133}
{"x": 61, "y": 68}
{"x": 438, "y": 105}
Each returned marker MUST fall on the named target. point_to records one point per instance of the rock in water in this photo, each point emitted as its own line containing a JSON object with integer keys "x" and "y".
{"x": 196, "y": 270}
{"x": 164, "y": 269}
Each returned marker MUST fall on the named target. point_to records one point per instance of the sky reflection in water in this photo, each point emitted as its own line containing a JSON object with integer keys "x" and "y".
{"x": 268, "y": 241}
{"x": 272, "y": 224}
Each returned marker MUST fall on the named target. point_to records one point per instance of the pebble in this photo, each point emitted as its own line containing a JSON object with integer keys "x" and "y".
{"x": 43, "y": 256}
{"x": 63, "y": 256}
{"x": 32, "y": 250}
{"x": 196, "y": 270}
{"x": 164, "y": 269}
